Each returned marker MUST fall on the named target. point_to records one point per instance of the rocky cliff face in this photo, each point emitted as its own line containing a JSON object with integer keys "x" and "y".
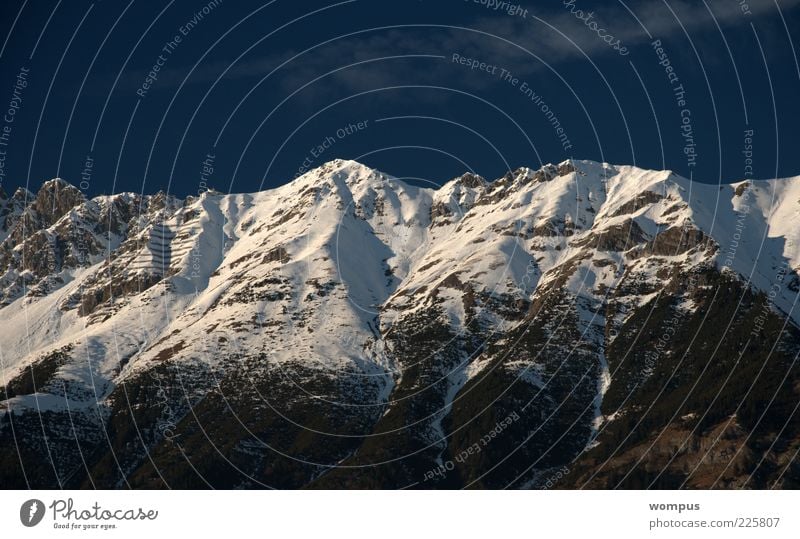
{"x": 577, "y": 326}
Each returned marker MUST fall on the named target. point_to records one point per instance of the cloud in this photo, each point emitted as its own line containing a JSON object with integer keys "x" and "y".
{"x": 554, "y": 34}
{"x": 557, "y": 34}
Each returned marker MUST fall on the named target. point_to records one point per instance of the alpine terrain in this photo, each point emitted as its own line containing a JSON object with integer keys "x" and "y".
{"x": 581, "y": 325}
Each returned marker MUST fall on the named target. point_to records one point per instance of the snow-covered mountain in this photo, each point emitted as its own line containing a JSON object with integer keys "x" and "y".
{"x": 604, "y": 324}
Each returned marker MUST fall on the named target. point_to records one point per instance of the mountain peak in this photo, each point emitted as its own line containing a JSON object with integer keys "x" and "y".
{"x": 55, "y": 198}
{"x": 22, "y": 195}
{"x": 338, "y": 173}
{"x": 57, "y": 183}
{"x": 368, "y": 290}
{"x": 352, "y": 169}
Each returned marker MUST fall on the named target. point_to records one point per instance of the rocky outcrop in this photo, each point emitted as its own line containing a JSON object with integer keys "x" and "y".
{"x": 573, "y": 326}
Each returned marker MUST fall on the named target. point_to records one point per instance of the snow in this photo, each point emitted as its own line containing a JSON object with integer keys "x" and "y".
{"x": 344, "y": 250}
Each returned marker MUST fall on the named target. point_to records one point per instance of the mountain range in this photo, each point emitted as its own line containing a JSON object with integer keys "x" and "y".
{"x": 579, "y": 325}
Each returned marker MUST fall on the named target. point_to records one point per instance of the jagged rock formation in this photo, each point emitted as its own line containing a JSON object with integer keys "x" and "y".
{"x": 608, "y": 326}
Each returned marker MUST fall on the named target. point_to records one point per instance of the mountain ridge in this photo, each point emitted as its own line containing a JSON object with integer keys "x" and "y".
{"x": 359, "y": 328}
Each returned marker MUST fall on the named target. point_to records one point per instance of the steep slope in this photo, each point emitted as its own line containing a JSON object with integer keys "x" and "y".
{"x": 348, "y": 329}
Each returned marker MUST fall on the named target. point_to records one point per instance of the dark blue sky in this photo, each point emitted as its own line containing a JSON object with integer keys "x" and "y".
{"x": 260, "y": 86}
